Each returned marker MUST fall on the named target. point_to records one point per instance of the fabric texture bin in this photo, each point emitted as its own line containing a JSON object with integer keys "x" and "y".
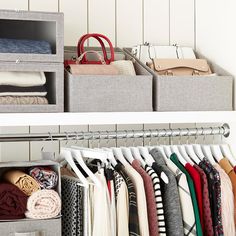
{"x": 31, "y": 228}
{"x": 54, "y": 86}
{"x": 116, "y": 93}
{"x": 195, "y": 93}
{"x": 39, "y": 29}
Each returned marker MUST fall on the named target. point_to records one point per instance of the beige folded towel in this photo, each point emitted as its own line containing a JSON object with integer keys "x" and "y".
{"x": 43, "y": 204}
{"x": 24, "y": 182}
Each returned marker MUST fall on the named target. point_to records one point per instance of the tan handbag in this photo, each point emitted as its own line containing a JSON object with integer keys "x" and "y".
{"x": 180, "y": 67}
{"x": 92, "y": 69}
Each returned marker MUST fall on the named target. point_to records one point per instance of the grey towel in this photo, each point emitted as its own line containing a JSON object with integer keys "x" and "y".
{"x": 170, "y": 196}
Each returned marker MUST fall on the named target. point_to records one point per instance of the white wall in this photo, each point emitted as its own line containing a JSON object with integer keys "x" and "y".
{"x": 127, "y": 23}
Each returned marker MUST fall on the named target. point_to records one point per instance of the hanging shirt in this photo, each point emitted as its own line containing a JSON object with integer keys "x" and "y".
{"x": 208, "y": 224}
{"x": 198, "y": 190}
{"x": 171, "y": 201}
{"x": 215, "y": 195}
{"x": 133, "y": 208}
{"x": 159, "y": 202}
{"x": 122, "y": 205}
{"x": 189, "y": 221}
{"x": 227, "y": 202}
{"x": 226, "y": 166}
{"x": 175, "y": 160}
{"x": 150, "y": 196}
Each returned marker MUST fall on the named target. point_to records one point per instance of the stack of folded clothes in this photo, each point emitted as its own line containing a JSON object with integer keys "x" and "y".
{"x": 22, "y": 88}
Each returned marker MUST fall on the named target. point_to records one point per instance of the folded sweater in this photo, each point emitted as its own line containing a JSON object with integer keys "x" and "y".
{"x": 11, "y": 100}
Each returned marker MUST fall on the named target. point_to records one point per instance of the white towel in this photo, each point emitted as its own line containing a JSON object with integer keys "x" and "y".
{"x": 22, "y": 79}
{"x": 24, "y": 94}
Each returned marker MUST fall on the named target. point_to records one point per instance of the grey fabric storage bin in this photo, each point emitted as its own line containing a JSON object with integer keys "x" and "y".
{"x": 50, "y": 227}
{"x": 195, "y": 93}
{"x": 55, "y": 86}
{"x": 33, "y": 26}
{"x": 118, "y": 93}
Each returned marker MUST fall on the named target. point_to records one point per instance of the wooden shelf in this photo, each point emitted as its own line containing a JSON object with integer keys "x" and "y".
{"x": 48, "y": 119}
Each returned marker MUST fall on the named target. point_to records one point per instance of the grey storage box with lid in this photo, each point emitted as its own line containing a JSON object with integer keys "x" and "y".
{"x": 116, "y": 93}
{"x": 192, "y": 93}
{"x": 31, "y": 227}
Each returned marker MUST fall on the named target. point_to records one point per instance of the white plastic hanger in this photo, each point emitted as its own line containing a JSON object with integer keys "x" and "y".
{"x": 66, "y": 154}
{"x": 198, "y": 150}
{"x": 78, "y": 157}
{"x": 119, "y": 156}
{"x": 148, "y": 158}
{"x": 111, "y": 156}
{"x": 216, "y": 152}
{"x": 175, "y": 150}
{"x": 185, "y": 155}
{"x": 228, "y": 154}
{"x": 162, "y": 151}
{"x": 127, "y": 154}
{"x": 192, "y": 154}
{"x": 137, "y": 156}
{"x": 208, "y": 154}
{"x": 167, "y": 150}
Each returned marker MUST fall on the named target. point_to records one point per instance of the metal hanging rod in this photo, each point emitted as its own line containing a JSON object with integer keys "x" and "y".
{"x": 223, "y": 130}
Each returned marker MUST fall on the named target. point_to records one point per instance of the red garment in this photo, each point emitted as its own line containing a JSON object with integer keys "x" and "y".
{"x": 109, "y": 187}
{"x": 198, "y": 189}
{"x": 12, "y": 202}
{"x": 150, "y": 196}
{"x": 208, "y": 224}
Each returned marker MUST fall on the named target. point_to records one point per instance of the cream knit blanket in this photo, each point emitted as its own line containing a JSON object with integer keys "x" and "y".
{"x": 43, "y": 204}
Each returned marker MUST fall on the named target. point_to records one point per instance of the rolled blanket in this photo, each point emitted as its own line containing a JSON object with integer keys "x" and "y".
{"x": 43, "y": 204}
{"x": 24, "y": 182}
{"x": 12, "y": 202}
{"x": 46, "y": 177}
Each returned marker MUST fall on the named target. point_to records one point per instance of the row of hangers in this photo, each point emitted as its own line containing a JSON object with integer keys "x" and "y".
{"x": 187, "y": 153}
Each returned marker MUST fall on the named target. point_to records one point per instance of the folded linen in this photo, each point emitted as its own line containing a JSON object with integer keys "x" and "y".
{"x": 24, "y": 46}
{"x": 43, "y": 204}
{"x": 46, "y": 177}
{"x": 17, "y": 89}
{"x": 24, "y": 94}
{"x": 13, "y": 202}
{"x": 24, "y": 182}
{"x": 22, "y": 79}
{"x": 14, "y": 100}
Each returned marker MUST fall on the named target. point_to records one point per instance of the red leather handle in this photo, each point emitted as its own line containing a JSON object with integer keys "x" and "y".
{"x": 99, "y": 38}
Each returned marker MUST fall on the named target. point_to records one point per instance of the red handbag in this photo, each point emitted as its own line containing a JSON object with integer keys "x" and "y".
{"x": 80, "y": 50}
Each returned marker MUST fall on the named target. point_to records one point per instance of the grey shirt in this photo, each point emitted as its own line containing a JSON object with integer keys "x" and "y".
{"x": 170, "y": 195}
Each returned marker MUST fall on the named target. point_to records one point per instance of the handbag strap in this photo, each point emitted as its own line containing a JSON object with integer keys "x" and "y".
{"x": 99, "y": 56}
{"x": 99, "y": 38}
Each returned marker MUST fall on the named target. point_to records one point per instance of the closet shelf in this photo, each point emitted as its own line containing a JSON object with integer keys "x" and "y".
{"x": 47, "y": 119}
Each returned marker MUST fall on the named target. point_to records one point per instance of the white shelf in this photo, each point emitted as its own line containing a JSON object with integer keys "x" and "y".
{"x": 47, "y": 119}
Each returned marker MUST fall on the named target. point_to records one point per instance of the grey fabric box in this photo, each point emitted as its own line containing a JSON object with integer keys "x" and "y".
{"x": 109, "y": 93}
{"x": 54, "y": 84}
{"x": 195, "y": 93}
{"x": 31, "y": 228}
{"x": 33, "y": 26}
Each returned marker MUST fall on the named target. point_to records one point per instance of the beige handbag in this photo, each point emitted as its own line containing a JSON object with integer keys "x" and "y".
{"x": 125, "y": 67}
{"x": 92, "y": 69}
{"x": 180, "y": 67}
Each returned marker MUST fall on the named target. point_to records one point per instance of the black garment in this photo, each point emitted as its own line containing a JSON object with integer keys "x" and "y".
{"x": 133, "y": 209}
{"x": 17, "y": 89}
{"x": 170, "y": 196}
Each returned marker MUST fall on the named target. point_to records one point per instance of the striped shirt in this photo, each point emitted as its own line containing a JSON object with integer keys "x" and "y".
{"x": 133, "y": 209}
{"x": 158, "y": 197}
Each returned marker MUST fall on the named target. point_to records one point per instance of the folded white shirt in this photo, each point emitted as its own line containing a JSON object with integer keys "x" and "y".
{"x": 22, "y": 78}
{"x": 24, "y": 94}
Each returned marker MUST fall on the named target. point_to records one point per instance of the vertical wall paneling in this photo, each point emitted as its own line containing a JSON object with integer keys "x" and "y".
{"x": 102, "y": 18}
{"x": 71, "y": 128}
{"x": 75, "y": 15}
{"x": 48, "y": 146}
{"x": 156, "y": 22}
{"x": 43, "y": 5}
{"x": 182, "y": 29}
{"x": 14, "y": 151}
{"x": 129, "y": 22}
{"x": 14, "y": 4}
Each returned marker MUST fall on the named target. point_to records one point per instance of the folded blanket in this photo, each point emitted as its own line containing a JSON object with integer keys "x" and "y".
{"x": 16, "y": 89}
{"x": 46, "y": 177}
{"x": 13, "y": 100}
{"x": 43, "y": 204}
{"x": 24, "y": 79}
{"x": 24, "y": 46}
{"x": 12, "y": 202}
{"x": 27, "y": 94}
{"x": 23, "y": 181}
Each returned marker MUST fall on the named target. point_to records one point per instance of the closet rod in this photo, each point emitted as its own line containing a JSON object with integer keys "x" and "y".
{"x": 223, "y": 130}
